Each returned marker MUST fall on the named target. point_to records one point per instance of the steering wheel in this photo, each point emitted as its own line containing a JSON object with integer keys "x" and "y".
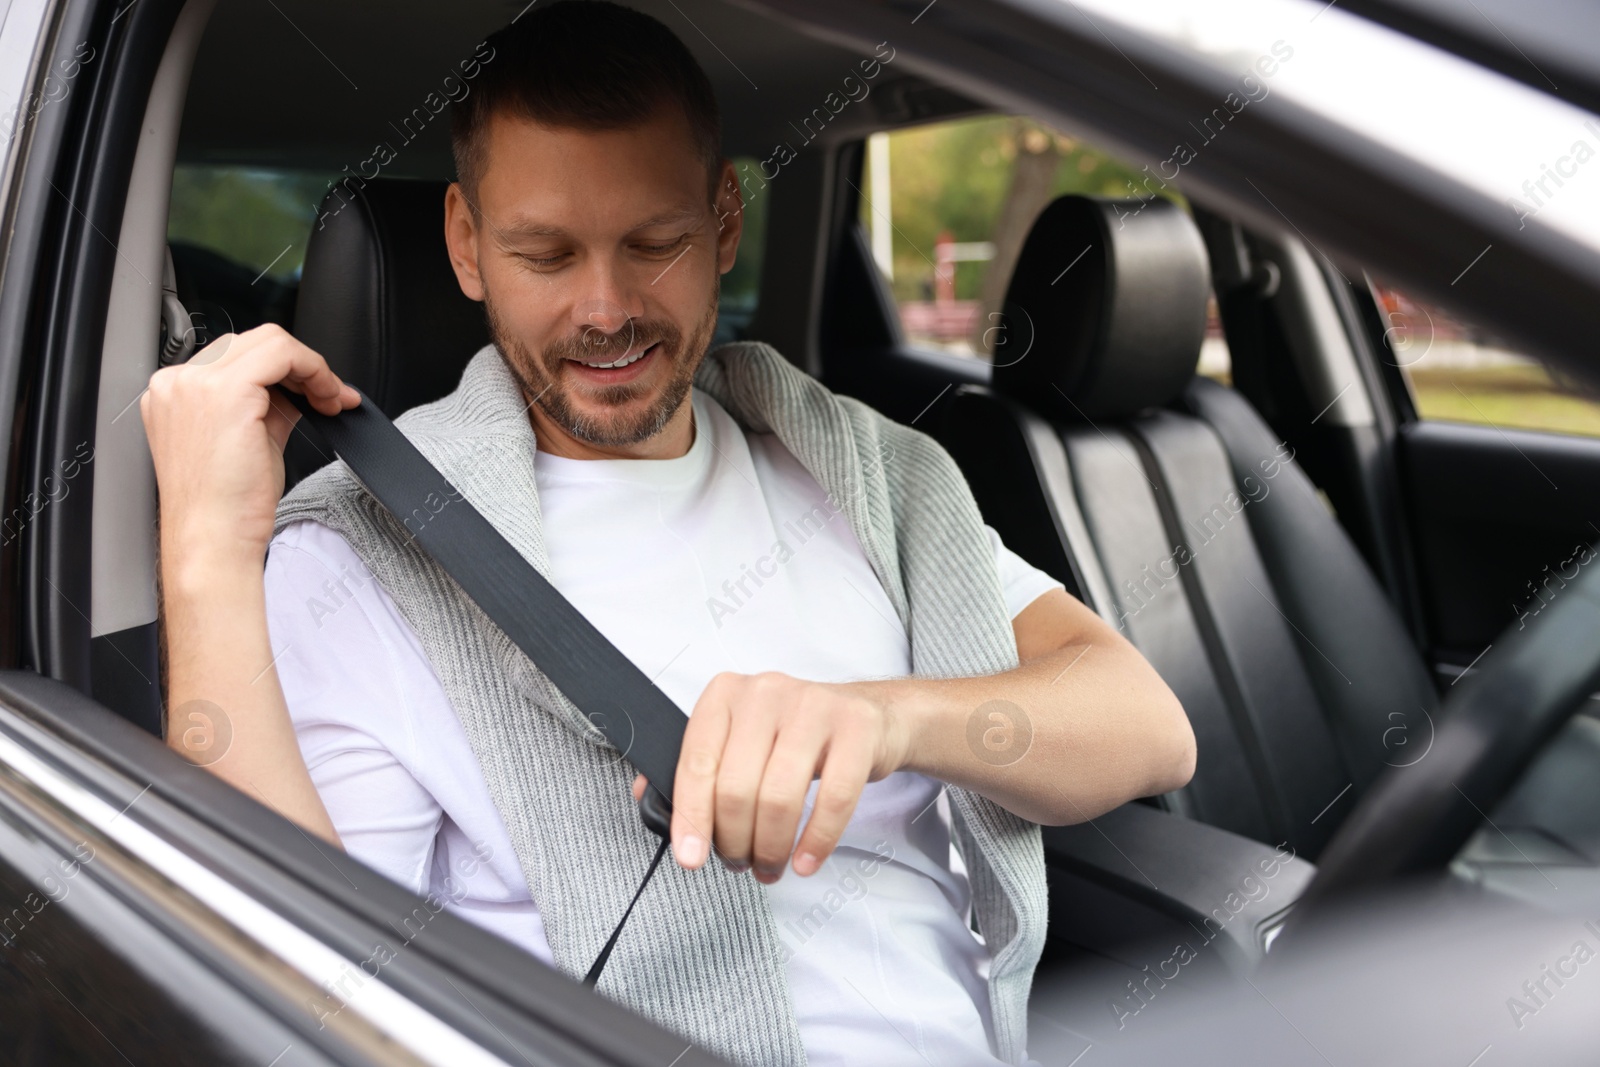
{"x": 1415, "y": 819}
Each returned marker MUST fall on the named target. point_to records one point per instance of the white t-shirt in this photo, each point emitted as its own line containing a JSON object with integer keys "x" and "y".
{"x": 729, "y": 558}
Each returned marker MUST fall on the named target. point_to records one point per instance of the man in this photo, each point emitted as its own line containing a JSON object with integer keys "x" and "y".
{"x": 871, "y": 677}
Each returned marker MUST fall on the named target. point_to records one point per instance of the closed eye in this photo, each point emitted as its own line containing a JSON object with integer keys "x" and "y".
{"x": 543, "y": 262}
{"x": 663, "y": 249}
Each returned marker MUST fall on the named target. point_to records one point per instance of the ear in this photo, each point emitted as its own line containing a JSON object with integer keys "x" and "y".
{"x": 729, "y": 205}
{"x": 461, "y": 237}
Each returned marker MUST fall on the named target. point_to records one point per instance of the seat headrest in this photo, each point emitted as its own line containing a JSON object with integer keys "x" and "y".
{"x": 378, "y": 297}
{"x": 1106, "y": 310}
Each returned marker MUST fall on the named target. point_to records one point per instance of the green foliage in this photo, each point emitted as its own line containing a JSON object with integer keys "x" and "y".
{"x": 1522, "y": 395}
{"x": 955, "y": 176}
{"x": 742, "y": 285}
{"x": 248, "y": 215}
{"x": 251, "y": 215}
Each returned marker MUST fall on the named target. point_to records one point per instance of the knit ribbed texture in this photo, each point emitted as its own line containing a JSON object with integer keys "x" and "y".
{"x": 701, "y": 954}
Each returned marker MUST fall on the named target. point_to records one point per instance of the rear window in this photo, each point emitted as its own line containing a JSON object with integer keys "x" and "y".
{"x": 741, "y": 286}
{"x": 239, "y": 238}
{"x": 258, "y": 219}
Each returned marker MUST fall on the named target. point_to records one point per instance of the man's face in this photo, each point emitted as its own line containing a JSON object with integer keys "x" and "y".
{"x": 598, "y": 256}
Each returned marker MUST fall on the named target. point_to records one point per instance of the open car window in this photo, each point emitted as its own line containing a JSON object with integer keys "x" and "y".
{"x": 947, "y": 205}
{"x": 1458, "y": 372}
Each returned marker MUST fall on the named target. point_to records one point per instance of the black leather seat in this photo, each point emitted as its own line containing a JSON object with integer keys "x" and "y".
{"x": 378, "y": 297}
{"x": 379, "y": 300}
{"x": 1167, "y": 504}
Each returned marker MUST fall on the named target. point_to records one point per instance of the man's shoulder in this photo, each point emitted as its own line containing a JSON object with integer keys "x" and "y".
{"x": 733, "y": 373}
{"x": 314, "y": 495}
{"x": 745, "y": 377}
{"x": 483, "y": 413}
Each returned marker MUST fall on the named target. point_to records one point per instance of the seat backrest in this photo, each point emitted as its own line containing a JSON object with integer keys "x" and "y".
{"x": 378, "y": 298}
{"x": 1168, "y": 505}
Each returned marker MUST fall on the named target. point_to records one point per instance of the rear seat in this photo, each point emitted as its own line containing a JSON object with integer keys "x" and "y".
{"x": 1167, "y": 504}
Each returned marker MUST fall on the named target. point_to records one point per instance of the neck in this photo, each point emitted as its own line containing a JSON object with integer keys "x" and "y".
{"x": 671, "y": 442}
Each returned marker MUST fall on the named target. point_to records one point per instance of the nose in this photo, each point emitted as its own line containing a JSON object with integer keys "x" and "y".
{"x": 607, "y": 307}
{"x": 604, "y": 326}
{"x": 600, "y": 316}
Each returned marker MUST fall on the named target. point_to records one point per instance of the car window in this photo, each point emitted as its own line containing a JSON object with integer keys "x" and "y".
{"x": 947, "y": 206}
{"x": 239, "y": 235}
{"x": 741, "y": 286}
{"x": 1216, "y": 362}
{"x": 257, "y": 218}
{"x": 238, "y": 238}
{"x": 1459, "y": 373}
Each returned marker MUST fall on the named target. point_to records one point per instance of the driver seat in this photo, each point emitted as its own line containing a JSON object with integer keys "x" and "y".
{"x": 379, "y": 300}
{"x": 1164, "y": 501}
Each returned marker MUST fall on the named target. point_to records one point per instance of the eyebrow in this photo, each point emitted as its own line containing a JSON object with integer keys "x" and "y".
{"x": 522, "y": 227}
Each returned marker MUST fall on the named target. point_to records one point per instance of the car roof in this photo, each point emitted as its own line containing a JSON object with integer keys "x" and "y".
{"x": 361, "y": 70}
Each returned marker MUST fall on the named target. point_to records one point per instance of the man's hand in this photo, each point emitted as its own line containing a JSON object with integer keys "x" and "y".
{"x": 1101, "y": 729}
{"x": 753, "y": 747}
{"x": 217, "y": 434}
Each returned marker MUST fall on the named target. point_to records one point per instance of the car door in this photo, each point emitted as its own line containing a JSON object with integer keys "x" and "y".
{"x": 1499, "y": 457}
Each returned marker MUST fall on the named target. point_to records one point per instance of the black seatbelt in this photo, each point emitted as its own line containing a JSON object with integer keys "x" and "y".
{"x": 637, "y": 718}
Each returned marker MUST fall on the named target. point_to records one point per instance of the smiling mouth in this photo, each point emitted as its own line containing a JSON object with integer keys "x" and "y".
{"x": 620, "y": 362}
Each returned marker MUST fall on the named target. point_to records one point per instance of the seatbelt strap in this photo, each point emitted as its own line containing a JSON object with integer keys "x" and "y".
{"x": 633, "y": 713}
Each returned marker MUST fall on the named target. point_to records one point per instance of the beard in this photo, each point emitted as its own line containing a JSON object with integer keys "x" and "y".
{"x": 540, "y": 376}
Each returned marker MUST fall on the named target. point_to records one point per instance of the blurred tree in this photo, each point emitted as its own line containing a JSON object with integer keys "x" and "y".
{"x": 983, "y": 179}
{"x": 252, "y": 216}
{"x": 1035, "y": 157}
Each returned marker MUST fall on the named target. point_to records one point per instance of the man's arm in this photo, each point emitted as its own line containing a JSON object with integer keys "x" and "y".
{"x": 1104, "y": 726}
{"x": 217, "y": 440}
{"x": 1086, "y": 725}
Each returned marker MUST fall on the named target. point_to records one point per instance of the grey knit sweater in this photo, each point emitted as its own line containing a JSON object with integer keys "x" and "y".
{"x": 701, "y": 955}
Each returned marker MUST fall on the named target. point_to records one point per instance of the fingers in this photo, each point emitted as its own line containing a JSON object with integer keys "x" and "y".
{"x": 270, "y": 355}
{"x": 694, "y": 785}
{"x": 844, "y": 776}
{"x": 781, "y": 796}
{"x": 752, "y": 749}
{"x": 751, "y": 733}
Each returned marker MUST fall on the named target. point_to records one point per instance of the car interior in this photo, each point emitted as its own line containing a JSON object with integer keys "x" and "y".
{"x": 1309, "y": 563}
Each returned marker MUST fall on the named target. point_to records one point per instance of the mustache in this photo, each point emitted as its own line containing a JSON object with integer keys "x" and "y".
{"x": 593, "y": 345}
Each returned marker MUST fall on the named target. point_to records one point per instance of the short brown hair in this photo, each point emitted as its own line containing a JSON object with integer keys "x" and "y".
{"x": 588, "y": 65}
